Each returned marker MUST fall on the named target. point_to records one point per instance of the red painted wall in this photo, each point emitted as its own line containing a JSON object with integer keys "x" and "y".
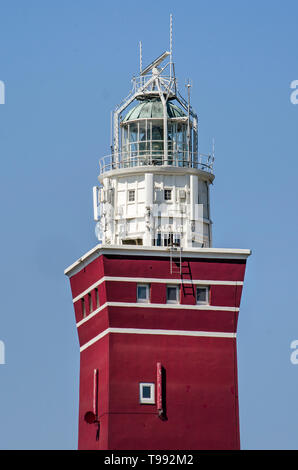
{"x": 201, "y": 395}
{"x": 201, "y": 372}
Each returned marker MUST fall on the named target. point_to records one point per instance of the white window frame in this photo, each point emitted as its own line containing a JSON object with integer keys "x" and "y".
{"x": 177, "y": 287}
{"x": 200, "y": 302}
{"x": 144, "y": 301}
{"x": 143, "y": 400}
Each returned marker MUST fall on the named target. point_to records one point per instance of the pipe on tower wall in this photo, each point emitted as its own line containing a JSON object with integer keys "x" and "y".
{"x": 148, "y": 208}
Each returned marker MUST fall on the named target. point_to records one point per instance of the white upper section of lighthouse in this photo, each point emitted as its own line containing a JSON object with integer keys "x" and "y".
{"x": 154, "y": 187}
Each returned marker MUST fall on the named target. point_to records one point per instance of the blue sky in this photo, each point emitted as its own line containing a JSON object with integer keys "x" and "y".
{"x": 66, "y": 64}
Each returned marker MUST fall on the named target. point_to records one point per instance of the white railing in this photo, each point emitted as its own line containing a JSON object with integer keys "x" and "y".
{"x": 168, "y": 84}
{"x": 123, "y": 160}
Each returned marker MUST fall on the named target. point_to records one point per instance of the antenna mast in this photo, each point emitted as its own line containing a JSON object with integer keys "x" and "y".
{"x": 171, "y": 44}
{"x": 188, "y": 86}
{"x": 141, "y": 59}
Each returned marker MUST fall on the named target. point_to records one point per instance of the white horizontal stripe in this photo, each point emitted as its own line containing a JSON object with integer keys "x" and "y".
{"x": 139, "y": 331}
{"x": 92, "y": 314}
{"x": 175, "y": 306}
{"x": 159, "y": 281}
{"x": 149, "y": 305}
{"x": 78, "y": 297}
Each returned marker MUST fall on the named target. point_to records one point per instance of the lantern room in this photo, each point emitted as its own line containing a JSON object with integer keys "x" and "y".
{"x": 142, "y": 134}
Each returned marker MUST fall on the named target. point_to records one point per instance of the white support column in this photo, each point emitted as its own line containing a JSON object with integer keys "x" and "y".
{"x": 148, "y": 189}
{"x": 116, "y": 139}
{"x": 165, "y": 119}
{"x": 95, "y": 203}
{"x": 194, "y": 195}
{"x": 148, "y": 209}
{"x": 209, "y": 217}
{"x": 165, "y": 130}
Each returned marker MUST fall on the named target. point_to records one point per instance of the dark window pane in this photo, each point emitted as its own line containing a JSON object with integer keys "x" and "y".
{"x": 172, "y": 293}
{"x": 146, "y": 391}
{"x": 201, "y": 294}
{"x": 168, "y": 194}
{"x": 131, "y": 195}
{"x": 142, "y": 292}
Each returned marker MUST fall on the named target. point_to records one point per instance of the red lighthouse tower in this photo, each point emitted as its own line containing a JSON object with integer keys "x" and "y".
{"x": 156, "y": 306}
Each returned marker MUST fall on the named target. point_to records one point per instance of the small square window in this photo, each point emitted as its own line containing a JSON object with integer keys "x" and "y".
{"x": 202, "y": 295}
{"x": 168, "y": 194}
{"x": 131, "y": 195}
{"x": 147, "y": 393}
{"x": 143, "y": 292}
{"x": 172, "y": 294}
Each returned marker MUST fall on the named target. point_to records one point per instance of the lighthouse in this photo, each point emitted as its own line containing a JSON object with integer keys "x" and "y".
{"x": 156, "y": 305}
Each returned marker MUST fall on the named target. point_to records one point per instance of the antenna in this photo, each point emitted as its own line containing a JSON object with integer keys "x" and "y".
{"x": 111, "y": 132}
{"x": 141, "y": 58}
{"x": 188, "y": 86}
{"x": 155, "y": 63}
{"x": 171, "y": 44}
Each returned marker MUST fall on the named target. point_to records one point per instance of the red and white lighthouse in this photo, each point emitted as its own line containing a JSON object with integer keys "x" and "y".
{"x": 156, "y": 305}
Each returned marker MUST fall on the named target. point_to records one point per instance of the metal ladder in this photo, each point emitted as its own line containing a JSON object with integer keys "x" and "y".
{"x": 186, "y": 275}
{"x": 181, "y": 269}
{"x": 175, "y": 259}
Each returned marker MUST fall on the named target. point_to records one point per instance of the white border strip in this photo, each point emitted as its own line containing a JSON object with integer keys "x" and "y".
{"x": 153, "y": 280}
{"x": 212, "y": 253}
{"x": 149, "y": 305}
{"x": 86, "y": 291}
{"x": 81, "y": 322}
{"x": 139, "y": 331}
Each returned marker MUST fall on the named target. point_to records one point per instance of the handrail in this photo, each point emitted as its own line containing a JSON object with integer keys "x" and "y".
{"x": 132, "y": 159}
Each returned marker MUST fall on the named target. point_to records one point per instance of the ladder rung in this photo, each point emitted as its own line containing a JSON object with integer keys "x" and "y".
{"x": 175, "y": 260}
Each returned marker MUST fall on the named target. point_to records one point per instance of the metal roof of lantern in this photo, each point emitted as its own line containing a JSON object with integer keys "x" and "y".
{"x": 153, "y": 109}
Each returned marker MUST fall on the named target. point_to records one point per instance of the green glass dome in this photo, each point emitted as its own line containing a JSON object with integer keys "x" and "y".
{"x": 153, "y": 109}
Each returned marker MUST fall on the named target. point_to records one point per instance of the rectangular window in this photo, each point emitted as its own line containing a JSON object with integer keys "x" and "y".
{"x": 147, "y": 393}
{"x": 96, "y": 297}
{"x": 143, "y": 292}
{"x": 90, "y": 302}
{"x": 83, "y": 307}
{"x": 172, "y": 294}
{"x": 131, "y": 195}
{"x": 203, "y": 295}
{"x": 168, "y": 194}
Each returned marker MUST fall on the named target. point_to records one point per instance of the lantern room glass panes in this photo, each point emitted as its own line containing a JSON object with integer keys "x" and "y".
{"x": 143, "y": 143}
